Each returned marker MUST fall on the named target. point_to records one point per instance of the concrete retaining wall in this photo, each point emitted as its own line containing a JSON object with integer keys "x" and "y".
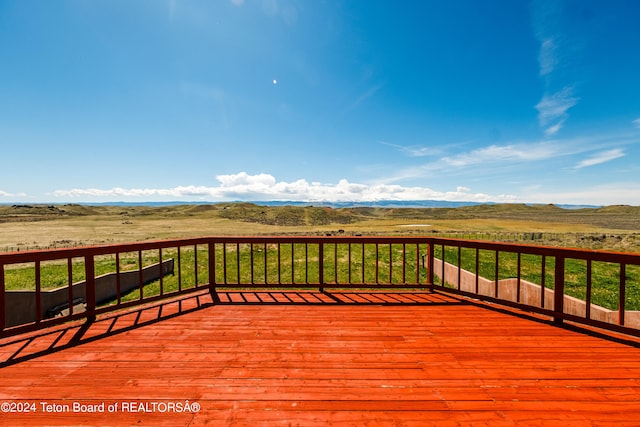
{"x": 21, "y": 305}
{"x": 530, "y": 294}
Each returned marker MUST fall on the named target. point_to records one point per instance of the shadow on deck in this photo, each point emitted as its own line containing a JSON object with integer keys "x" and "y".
{"x": 318, "y": 358}
{"x": 29, "y": 346}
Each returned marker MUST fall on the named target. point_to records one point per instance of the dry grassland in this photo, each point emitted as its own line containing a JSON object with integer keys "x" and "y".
{"x": 40, "y": 226}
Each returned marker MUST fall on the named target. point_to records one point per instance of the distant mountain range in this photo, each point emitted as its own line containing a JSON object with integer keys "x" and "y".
{"x": 379, "y": 203}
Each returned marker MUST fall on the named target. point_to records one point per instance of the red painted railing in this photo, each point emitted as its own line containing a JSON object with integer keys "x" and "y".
{"x": 503, "y": 273}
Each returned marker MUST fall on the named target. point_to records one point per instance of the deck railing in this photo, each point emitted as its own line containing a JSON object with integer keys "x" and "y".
{"x": 593, "y": 287}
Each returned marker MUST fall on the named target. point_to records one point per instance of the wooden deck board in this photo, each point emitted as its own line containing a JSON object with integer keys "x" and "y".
{"x": 309, "y": 358}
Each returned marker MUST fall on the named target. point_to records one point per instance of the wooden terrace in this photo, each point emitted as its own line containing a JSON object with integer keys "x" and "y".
{"x": 419, "y": 355}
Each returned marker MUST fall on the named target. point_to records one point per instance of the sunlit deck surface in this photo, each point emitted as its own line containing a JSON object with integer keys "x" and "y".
{"x": 312, "y": 358}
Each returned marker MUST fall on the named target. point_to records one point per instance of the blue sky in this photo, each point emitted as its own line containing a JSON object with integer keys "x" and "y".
{"x": 362, "y": 100}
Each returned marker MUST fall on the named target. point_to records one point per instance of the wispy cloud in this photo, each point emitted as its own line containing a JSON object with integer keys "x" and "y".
{"x": 601, "y": 157}
{"x": 262, "y": 187}
{"x": 548, "y": 57}
{"x": 552, "y": 109}
{"x": 501, "y": 153}
{"x": 494, "y": 160}
{"x": 363, "y": 97}
{"x": 636, "y": 123}
{"x": 414, "y": 150}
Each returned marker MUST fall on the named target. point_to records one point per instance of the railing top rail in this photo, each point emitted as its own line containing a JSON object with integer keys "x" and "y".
{"x": 555, "y": 251}
{"x": 60, "y": 253}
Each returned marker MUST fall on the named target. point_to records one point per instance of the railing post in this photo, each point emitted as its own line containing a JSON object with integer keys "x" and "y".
{"x": 558, "y": 290}
{"x": 90, "y": 287}
{"x": 212, "y": 272}
{"x": 321, "y": 265}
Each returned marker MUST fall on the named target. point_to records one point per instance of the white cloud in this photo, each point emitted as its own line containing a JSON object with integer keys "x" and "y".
{"x": 496, "y": 153}
{"x": 6, "y": 194}
{"x": 548, "y": 57}
{"x": 602, "y": 157}
{"x": 556, "y": 56}
{"x": 552, "y": 109}
{"x": 244, "y": 179}
{"x": 414, "y": 151}
{"x": 636, "y": 123}
{"x": 262, "y": 187}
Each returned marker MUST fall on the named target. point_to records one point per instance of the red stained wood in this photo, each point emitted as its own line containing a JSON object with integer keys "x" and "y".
{"x": 309, "y": 358}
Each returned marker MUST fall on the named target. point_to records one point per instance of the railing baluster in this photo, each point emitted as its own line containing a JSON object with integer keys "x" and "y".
{"x": 293, "y": 261}
{"x": 477, "y": 278}
{"x": 238, "y": 281}
{"x": 321, "y": 266}
{"x": 588, "y": 296}
{"x": 251, "y": 262}
{"x": 404, "y": 263}
{"x": 38, "y": 296}
{"x": 459, "y": 267}
{"x": 418, "y": 281}
{"x": 377, "y": 280}
{"x": 362, "y": 262}
{"x": 279, "y": 265}
{"x": 140, "y": 278}
{"x": 430, "y": 263}
{"x": 390, "y": 263}
{"x": 306, "y": 263}
{"x": 622, "y": 293}
{"x": 518, "y": 279}
{"x": 118, "y": 279}
{"x": 3, "y": 301}
{"x": 211, "y": 247}
{"x": 195, "y": 266}
{"x": 349, "y": 264}
{"x": 497, "y": 273}
{"x": 179, "y": 270}
{"x": 161, "y": 267}
{"x": 543, "y": 280}
{"x": 70, "y": 284}
{"x": 443, "y": 262}
{"x": 266, "y": 280}
{"x": 335, "y": 264}
{"x": 224, "y": 263}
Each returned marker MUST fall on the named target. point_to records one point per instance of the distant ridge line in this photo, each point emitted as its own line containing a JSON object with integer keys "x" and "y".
{"x": 345, "y": 204}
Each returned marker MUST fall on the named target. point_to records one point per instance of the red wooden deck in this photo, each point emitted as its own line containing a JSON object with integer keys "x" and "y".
{"x": 308, "y": 358}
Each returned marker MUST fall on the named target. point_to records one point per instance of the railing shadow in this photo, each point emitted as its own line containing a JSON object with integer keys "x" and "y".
{"x": 16, "y": 349}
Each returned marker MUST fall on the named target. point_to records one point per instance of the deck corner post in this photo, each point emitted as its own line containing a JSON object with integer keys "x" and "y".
{"x": 90, "y": 287}
{"x": 558, "y": 290}
{"x": 212, "y": 272}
